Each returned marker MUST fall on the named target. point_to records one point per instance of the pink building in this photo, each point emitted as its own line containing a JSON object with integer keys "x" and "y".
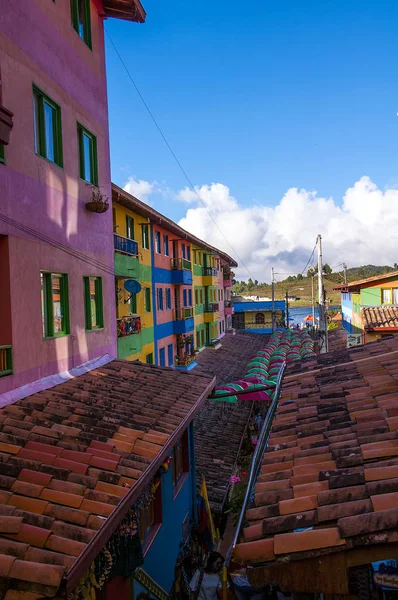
{"x": 56, "y": 255}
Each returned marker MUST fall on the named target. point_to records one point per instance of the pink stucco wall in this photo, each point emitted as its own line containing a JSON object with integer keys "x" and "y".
{"x": 39, "y": 46}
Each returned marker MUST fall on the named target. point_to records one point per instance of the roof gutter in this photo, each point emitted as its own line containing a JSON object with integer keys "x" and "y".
{"x": 99, "y": 540}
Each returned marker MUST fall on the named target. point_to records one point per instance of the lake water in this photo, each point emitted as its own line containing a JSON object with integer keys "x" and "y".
{"x": 297, "y": 315}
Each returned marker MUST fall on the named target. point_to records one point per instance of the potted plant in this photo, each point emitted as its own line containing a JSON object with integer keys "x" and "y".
{"x": 99, "y": 203}
{"x": 6, "y": 125}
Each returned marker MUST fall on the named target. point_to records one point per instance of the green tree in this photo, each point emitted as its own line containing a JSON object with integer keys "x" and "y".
{"x": 327, "y": 269}
{"x": 299, "y": 277}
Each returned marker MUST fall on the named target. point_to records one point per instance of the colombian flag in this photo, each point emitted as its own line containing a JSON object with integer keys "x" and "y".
{"x": 206, "y": 525}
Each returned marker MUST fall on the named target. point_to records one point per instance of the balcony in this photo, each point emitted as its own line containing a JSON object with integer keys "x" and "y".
{"x": 6, "y": 125}
{"x": 5, "y": 360}
{"x": 228, "y": 277}
{"x": 125, "y": 245}
{"x": 183, "y": 320}
{"x": 212, "y": 307}
{"x": 128, "y": 326}
{"x": 181, "y": 271}
{"x": 228, "y": 307}
{"x": 184, "y": 361}
{"x": 126, "y": 256}
{"x": 210, "y": 272}
{"x": 129, "y": 339}
{"x": 179, "y": 314}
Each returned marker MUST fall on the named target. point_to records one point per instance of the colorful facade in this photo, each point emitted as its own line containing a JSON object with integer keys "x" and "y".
{"x": 256, "y": 317}
{"x": 57, "y": 300}
{"x": 358, "y": 298}
{"x": 184, "y": 300}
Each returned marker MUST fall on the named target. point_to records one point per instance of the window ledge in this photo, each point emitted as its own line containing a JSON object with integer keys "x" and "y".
{"x": 150, "y": 538}
{"x": 94, "y": 329}
{"x": 180, "y": 484}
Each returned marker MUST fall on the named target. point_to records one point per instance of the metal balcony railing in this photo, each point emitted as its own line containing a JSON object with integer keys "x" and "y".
{"x": 125, "y": 245}
{"x": 5, "y": 360}
{"x": 209, "y": 271}
{"x": 213, "y": 307}
{"x": 184, "y": 361}
{"x": 128, "y": 326}
{"x": 181, "y": 264}
{"x": 180, "y": 314}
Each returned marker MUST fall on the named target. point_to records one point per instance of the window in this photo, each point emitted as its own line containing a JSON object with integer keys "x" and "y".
{"x": 80, "y": 13}
{"x": 93, "y": 302}
{"x": 170, "y": 354}
{"x": 198, "y": 339}
{"x": 203, "y": 337}
{"x": 201, "y": 296}
{"x": 133, "y": 304}
{"x": 162, "y": 357}
{"x": 180, "y": 458}
{"x": 145, "y": 237}
{"x": 386, "y": 296}
{"x": 47, "y": 127}
{"x": 149, "y": 359}
{"x": 183, "y": 250}
{"x": 88, "y": 165}
{"x": 188, "y": 252}
{"x": 184, "y": 295}
{"x": 196, "y": 296}
{"x": 2, "y": 155}
{"x": 160, "y": 298}
{"x": 129, "y": 227}
{"x": 147, "y": 298}
{"x": 166, "y": 244}
{"x": 189, "y": 297}
{"x": 54, "y": 304}
{"x": 150, "y": 514}
{"x": 157, "y": 242}
{"x": 168, "y": 298}
{"x": 395, "y": 295}
{"x": 260, "y": 319}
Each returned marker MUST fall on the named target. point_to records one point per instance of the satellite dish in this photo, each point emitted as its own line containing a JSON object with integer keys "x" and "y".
{"x": 132, "y": 286}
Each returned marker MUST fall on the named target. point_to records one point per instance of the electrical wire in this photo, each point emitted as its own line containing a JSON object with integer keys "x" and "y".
{"x": 173, "y": 153}
{"x": 309, "y": 260}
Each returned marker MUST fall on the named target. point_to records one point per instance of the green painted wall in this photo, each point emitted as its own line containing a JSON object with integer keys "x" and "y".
{"x": 198, "y": 270}
{"x": 125, "y": 265}
{"x": 370, "y": 296}
{"x": 131, "y": 344}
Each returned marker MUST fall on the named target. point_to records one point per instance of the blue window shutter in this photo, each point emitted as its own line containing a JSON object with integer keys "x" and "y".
{"x": 189, "y": 297}
{"x": 170, "y": 354}
{"x": 162, "y": 357}
{"x": 188, "y": 252}
{"x": 184, "y": 295}
{"x": 183, "y": 250}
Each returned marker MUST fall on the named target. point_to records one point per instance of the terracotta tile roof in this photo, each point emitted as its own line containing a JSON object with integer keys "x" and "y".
{"x": 73, "y": 455}
{"x": 219, "y": 427}
{"x": 379, "y": 316}
{"x": 329, "y": 477}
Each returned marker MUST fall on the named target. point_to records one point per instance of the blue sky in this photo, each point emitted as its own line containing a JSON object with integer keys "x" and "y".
{"x": 259, "y": 96}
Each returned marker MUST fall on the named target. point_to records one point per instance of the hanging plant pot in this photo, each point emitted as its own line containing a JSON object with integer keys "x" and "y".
{"x": 99, "y": 203}
{"x": 97, "y": 207}
{"x": 6, "y": 125}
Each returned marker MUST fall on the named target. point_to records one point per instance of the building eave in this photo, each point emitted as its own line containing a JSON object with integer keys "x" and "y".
{"x": 127, "y": 10}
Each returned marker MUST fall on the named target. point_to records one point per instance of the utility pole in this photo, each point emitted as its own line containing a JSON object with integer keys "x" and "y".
{"x": 313, "y": 300}
{"x": 323, "y": 331}
{"x": 345, "y": 272}
{"x": 273, "y": 300}
{"x": 287, "y": 310}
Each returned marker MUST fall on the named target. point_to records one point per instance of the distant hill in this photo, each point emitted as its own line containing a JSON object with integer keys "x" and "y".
{"x": 301, "y": 287}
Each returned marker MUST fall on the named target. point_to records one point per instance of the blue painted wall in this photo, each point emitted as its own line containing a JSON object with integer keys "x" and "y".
{"x": 160, "y": 560}
{"x": 240, "y": 307}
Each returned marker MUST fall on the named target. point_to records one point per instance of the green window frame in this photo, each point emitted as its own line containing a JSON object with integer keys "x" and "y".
{"x": 133, "y": 304}
{"x": 88, "y": 161}
{"x": 81, "y": 20}
{"x": 145, "y": 236}
{"x": 129, "y": 227}
{"x": 2, "y": 155}
{"x": 149, "y": 359}
{"x": 54, "y": 304}
{"x": 93, "y": 303}
{"x": 147, "y": 296}
{"x": 47, "y": 127}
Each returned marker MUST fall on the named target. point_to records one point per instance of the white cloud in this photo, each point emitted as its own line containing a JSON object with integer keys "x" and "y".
{"x": 362, "y": 230}
{"x": 140, "y": 188}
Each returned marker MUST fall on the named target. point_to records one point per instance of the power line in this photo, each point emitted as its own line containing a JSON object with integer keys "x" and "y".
{"x": 309, "y": 260}
{"x": 173, "y": 153}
